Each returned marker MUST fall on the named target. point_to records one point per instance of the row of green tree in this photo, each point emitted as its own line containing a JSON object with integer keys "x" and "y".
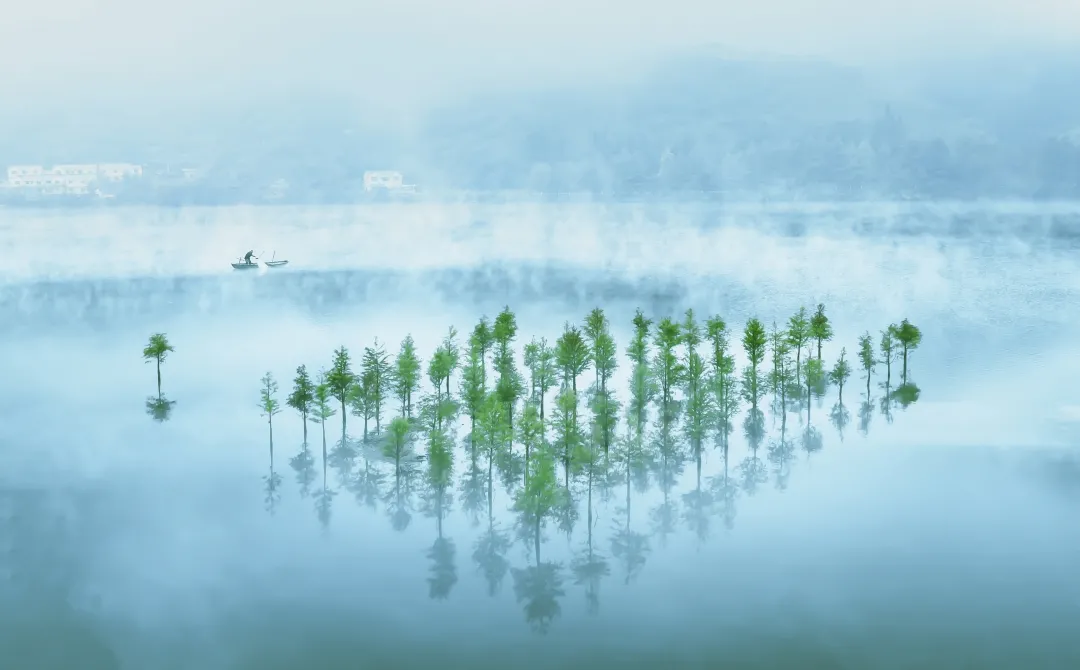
{"x": 670, "y": 372}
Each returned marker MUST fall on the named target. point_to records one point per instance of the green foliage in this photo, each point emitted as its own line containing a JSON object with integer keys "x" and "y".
{"x": 642, "y": 384}
{"x": 564, "y": 419}
{"x": 509, "y": 385}
{"x": 638, "y": 349}
{"x": 493, "y": 426}
{"x": 820, "y": 328}
{"x": 815, "y": 376}
{"x": 697, "y": 400}
{"x": 909, "y": 337}
{"x": 754, "y": 343}
{"x": 481, "y": 340}
{"x": 376, "y": 378}
{"x": 341, "y": 378}
{"x": 157, "y": 349}
{"x": 303, "y": 393}
{"x": 362, "y": 398}
{"x": 602, "y": 344}
{"x": 782, "y": 374}
{"x": 452, "y": 355}
{"x": 798, "y": 336}
{"x": 397, "y": 439}
{"x": 840, "y": 373}
{"x": 406, "y": 377}
{"x": 320, "y": 406}
{"x": 268, "y": 397}
{"x": 530, "y": 430}
{"x": 603, "y": 354}
{"x": 571, "y": 356}
{"x": 668, "y": 370}
{"x": 472, "y": 382}
{"x": 866, "y": 353}
{"x": 536, "y": 500}
{"x": 723, "y": 372}
{"x": 888, "y": 350}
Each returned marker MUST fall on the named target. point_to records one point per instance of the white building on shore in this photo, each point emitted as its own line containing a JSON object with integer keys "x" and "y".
{"x": 73, "y": 179}
{"x": 386, "y": 180}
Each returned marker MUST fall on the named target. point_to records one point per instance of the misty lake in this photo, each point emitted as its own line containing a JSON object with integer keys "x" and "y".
{"x": 937, "y": 530}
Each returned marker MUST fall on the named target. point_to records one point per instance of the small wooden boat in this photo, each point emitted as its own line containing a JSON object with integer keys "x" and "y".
{"x": 275, "y": 263}
{"x": 245, "y": 266}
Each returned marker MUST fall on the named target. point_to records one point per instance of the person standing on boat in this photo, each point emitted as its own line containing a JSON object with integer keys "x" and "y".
{"x": 247, "y": 257}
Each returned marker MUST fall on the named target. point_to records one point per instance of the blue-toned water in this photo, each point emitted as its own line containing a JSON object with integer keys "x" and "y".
{"x": 942, "y": 533}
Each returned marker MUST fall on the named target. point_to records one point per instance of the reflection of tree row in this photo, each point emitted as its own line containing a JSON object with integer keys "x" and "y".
{"x": 526, "y": 433}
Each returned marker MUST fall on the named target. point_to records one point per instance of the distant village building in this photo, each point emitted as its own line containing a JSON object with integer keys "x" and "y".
{"x": 383, "y": 180}
{"x": 72, "y": 179}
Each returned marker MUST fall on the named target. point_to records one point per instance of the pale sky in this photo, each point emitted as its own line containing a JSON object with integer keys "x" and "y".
{"x": 48, "y": 45}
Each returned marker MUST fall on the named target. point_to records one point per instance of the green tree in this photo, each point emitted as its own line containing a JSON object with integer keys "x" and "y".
{"x": 667, "y": 368}
{"x": 269, "y": 405}
{"x": 481, "y": 339}
{"x": 694, "y": 365}
{"x": 866, "y": 358}
{"x": 378, "y": 374}
{"x": 571, "y": 356}
{"x": 798, "y": 336}
{"x": 604, "y": 359}
{"x": 406, "y": 375}
{"x": 888, "y": 351}
{"x": 782, "y": 376}
{"x": 472, "y": 383}
{"x": 303, "y": 394}
{"x": 362, "y": 398}
{"x": 509, "y": 385}
{"x": 530, "y": 432}
{"x": 572, "y": 359}
{"x": 531, "y": 355}
{"x": 452, "y": 355}
{"x": 546, "y": 372}
{"x": 642, "y": 387}
{"x": 754, "y": 343}
{"x": 397, "y": 439}
{"x": 723, "y": 370}
{"x": 820, "y": 328}
{"x": 567, "y": 430}
{"x": 840, "y": 373}
{"x": 157, "y": 349}
{"x": 909, "y": 337}
{"x": 340, "y": 379}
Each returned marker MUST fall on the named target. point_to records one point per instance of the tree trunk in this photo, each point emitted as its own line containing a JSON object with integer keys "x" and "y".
{"x": 304, "y": 418}
{"x": 904, "y": 374}
{"x": 159, "y": 377}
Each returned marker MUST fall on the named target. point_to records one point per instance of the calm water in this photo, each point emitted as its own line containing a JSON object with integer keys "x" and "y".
{"x": 940, "y": 534}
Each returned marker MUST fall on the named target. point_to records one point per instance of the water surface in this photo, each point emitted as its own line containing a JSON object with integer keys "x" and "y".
{"x": 940, "y": 534}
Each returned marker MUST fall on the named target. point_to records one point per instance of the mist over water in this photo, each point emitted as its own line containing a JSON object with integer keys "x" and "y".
{"x": 940, "y": 534}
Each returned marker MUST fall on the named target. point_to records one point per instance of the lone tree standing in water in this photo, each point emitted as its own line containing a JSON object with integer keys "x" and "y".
{"x": 909, "y": 336}
{"x": 156, "y": 350}
{"x": 303, "y": 395}
{"x": 820, "y": 328}
{"x": 269, "y": 405}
